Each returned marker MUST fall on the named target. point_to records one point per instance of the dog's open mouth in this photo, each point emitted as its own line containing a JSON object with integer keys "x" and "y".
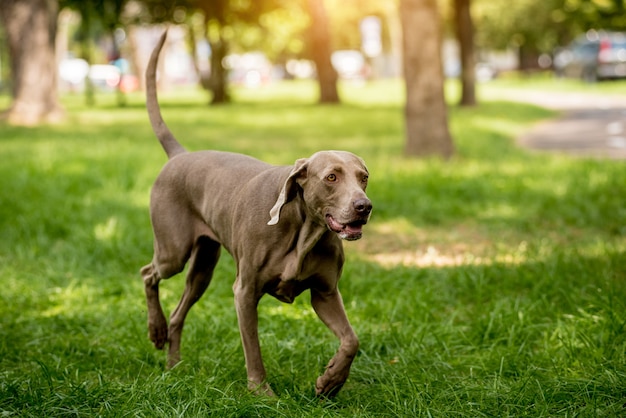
{"x": 350, "y": 231}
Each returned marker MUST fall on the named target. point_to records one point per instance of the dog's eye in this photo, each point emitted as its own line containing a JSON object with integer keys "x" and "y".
{"x": 331, "y": 178}
{"x": 365, "y": 178}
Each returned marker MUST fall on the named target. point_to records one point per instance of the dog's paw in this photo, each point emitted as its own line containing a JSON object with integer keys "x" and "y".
{"x": 173, "y": 359}
{"x": 157, "y": 331}
{"x": 262, "y": 389}
{"x": 158, "y": 339}
{"x": 328, "y": 388}
{"x": 331, "y": 382}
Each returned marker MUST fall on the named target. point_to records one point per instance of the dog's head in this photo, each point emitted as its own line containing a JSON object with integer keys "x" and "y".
{"x": 332, "y": 185}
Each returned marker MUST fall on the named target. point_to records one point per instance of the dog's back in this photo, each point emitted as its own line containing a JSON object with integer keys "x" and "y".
{"x": 210, "y": 184}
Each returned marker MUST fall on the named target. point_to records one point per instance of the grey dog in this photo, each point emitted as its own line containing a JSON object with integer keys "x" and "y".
{"x": 283, "y": 226}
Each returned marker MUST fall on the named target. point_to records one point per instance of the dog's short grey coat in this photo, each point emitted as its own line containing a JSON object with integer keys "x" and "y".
{"x": 282, "y": 226}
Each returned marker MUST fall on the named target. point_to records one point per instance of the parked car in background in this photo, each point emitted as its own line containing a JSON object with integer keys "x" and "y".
{"x": 596, "y": 55}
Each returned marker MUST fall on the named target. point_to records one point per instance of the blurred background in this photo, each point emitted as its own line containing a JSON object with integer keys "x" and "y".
{"x": 105, "y": 44}
{"x": 52, "y": 47}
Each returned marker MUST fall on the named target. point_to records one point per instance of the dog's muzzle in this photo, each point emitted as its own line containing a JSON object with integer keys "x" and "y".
{"x": 353, "y": 229}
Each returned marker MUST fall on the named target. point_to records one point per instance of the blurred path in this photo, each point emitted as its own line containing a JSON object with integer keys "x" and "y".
{"x": 590, "y": 125}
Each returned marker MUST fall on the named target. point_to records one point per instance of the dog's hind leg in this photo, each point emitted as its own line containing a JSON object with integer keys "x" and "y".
{"x": 173, "y": 241}
{"x": 160, "y": 268}
{"x": 157, "y": 325}
{"x": 204, "y": 257}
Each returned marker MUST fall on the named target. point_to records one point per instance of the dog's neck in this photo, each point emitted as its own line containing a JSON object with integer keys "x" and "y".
{"x": 309, "y": 235}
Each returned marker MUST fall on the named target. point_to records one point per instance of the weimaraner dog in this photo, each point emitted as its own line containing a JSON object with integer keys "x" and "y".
{"x": 282, "y": 225}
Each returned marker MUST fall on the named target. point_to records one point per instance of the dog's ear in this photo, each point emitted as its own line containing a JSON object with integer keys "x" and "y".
{"x": 289, "y": 190}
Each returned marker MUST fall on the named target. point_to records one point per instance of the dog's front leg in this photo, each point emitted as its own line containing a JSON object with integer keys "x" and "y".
{"x": 329, "y": 308}
{"x": 246, "y": 302}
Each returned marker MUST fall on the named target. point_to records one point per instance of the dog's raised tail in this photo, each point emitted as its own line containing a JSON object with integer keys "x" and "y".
{"x": 171, "y": 146}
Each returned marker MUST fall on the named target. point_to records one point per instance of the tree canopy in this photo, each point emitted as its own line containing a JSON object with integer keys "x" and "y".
{"x": 542, "y": 25}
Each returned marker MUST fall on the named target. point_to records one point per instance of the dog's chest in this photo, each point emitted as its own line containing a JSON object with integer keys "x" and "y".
{"x": 314, "y": 270}
{"x": 286, "y": 290}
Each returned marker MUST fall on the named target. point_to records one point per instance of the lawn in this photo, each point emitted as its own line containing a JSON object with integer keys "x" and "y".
{"x": 493, "y": 284}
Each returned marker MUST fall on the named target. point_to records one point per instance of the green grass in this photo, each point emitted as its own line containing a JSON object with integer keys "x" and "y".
{"x": 490, "y": 285}
{"x": 547, "y": 82}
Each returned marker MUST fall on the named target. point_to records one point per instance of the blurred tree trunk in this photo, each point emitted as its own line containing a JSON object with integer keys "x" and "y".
{"x": 83, "y": 34}
{"x": 320, "y": 49}
{"x": 219, "y": 76}
{"x": 31, "y": 33}
{"x": 215, "y": 21}
{"x": 528, "y": 56}
{"x": 135, "y": 61}
{"x": 426, "y": 114}
{"x": 465, "y": 36}
{"x": 198, "y": 20}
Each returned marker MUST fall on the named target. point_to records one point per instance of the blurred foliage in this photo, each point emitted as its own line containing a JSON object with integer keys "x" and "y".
{"x": 106, "y": 13}
{"x": 278, "y": 27}
{"x": 345, "y": 17}
{"x": 272, "y": 26}
{"x": 541, "y": 25}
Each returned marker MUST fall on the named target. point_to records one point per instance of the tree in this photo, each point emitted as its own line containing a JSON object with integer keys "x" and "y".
{"x": 525, "y": 25}
{"x": 31, "y": 31}
{"x": 216, "y": 19}
{"x": 465, "y": 36}
{"x": 222, "y": 24}
{"x": 319, "y": 42}
{"x": 97, "y": 16}
{"x": 533, "y": 27}
{"x": 426, "y": 114}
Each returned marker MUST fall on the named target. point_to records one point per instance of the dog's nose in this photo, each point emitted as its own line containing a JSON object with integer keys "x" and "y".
{"x": 362, "y": 206}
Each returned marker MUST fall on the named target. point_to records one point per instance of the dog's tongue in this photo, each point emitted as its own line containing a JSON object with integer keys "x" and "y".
{"x": 353, "y": 229}
{"x": 349, "y": 232}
